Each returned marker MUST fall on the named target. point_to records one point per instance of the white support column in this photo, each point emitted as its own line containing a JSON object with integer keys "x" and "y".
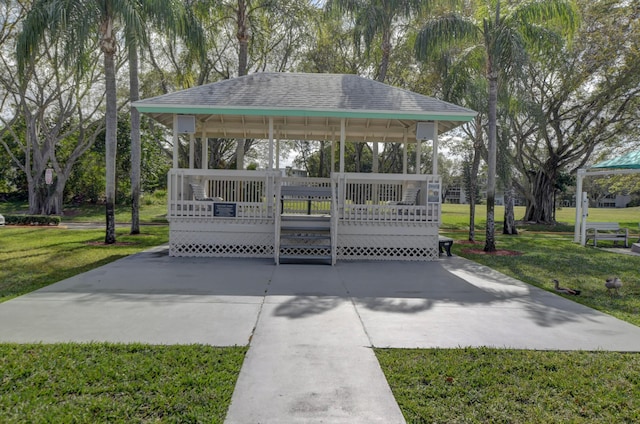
{"x": 576, "y": 228}
{"x": 192, "y": 147}
{"x": 418, "y": 155}
{"x": 205, "y": 151}
{"x": 270, "y": 166}
{"x": 343, "y": 135}
{"x": 434, "y": 165}
{"x": 278, "y": 150}
{"x": 405, "y": 147}
{"x": 175, "y": 141}
{"x": 583, "y": 221}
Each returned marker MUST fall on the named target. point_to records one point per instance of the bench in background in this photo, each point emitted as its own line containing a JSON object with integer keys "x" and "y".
{"x": 611, "y": 231}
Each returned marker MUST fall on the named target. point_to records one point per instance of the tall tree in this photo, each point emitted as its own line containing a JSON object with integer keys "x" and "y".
{"x": 504, "y": 36}
{"x": 375, "y": 21}
{"x": 173, "y": 19}
{"x": 580, "y": 100}
{"x": 50, "y": 117}
{"x": 76, "y": 23}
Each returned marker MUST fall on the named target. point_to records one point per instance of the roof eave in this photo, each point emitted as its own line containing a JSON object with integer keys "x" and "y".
{"x": 463, "y": 116}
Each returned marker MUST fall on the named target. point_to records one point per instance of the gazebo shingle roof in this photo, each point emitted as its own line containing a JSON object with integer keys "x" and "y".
{"x": 240, "y": 107}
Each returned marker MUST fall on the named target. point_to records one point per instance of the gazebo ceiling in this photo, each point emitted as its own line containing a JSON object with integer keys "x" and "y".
{"x": 305, "y": 107}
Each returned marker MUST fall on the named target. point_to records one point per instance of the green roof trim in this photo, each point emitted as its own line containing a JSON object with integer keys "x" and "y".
{"x": 205, "y": 110}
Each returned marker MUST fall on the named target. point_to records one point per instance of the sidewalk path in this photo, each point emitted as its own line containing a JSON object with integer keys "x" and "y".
{"x": 310, "y": 328}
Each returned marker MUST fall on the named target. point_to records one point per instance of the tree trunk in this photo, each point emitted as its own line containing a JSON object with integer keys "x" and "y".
{"x": 490, "y": 242}
{"x": 321, "y": 161}
{"x": 55, "y": 195}
{"x": 359, "y": 148}
{"x": 509, "y": 225}
{"x": 473, "y": 176}
{"x": 375, "y": 158}
{"x": 108, "y": 48}
{"x": 540, "y": 210}
{"x": 136, "y": 149}
{"x": 242, "y": 34}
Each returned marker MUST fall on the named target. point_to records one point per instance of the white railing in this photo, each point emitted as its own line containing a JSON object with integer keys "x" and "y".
{"x": 354, "y": 197}
{"x": 243, "y": 194}
{"x": 383, "y": 197}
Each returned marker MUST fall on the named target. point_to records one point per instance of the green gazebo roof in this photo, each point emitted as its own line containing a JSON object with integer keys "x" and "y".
{"x": 629, "y": 161}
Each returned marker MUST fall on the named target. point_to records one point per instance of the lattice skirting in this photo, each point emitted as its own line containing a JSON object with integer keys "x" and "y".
{"x": 387, "y": 248}
{"x": 220, "y": 244}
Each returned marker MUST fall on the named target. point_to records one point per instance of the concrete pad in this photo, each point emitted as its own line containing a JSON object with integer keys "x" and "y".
{"x": 122, "y": 319}
{"x": 148, "y": 298}
{"x": 311, "y": 367}
{"x": 458, "y": 303}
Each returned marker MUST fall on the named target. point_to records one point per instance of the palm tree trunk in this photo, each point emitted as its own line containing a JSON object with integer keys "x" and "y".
{"x": 111, "y": 134}
{"x": 136, "y": 150}
{"x": 473, "y": 177}
{"x": 490, "y": 242}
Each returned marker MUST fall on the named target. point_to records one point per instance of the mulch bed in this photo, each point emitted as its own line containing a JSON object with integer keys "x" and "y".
{"x": 499, "y": 252}
{"x": 118, "y": 243}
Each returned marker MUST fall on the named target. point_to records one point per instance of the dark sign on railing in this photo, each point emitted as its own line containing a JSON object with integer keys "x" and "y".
{"x": 224, "y": 210}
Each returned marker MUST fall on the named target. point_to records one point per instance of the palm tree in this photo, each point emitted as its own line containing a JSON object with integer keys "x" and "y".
{"x": 172, "y": 18}
{"x": 373, "y": 19}
{"x": 75, "y": 23}
{"x": 505, "y": 40}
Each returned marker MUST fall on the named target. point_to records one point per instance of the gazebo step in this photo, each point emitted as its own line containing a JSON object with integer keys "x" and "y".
{"x": 313, "y": 237}
{"x": 308, "y": 259}
{"x": 305, "y": 228}
{"x": 305, "y": 247}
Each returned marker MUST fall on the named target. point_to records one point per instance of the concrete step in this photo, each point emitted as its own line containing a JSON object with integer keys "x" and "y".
{"x": 313, "y": 237}
{"x": 635, "y": 247}
{"x": 305, "y": 228}
{"x": 307, "y": 259}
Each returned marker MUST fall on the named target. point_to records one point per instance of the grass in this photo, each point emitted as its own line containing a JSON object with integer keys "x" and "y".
{"x": 513, "y": 386}
{"x": 65, "y": 383}
{"x": 34, "y": 257}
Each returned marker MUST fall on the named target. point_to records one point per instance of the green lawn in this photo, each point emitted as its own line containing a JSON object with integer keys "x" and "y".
{"x": 457, "y": 217}
{"x": 34, "y": 257}
{"x": 107, "y": 383}
{"x": 513, "y": 386}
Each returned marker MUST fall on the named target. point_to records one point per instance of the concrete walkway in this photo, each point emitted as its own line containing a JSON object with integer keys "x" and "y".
{"x": 310, "y": 327}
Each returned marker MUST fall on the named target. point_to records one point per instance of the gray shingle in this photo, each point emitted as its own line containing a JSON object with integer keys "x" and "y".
{"x": 305, "y": 91}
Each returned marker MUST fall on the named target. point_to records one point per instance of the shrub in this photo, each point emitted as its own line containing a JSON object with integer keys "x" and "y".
{"x": 32, "y": 220}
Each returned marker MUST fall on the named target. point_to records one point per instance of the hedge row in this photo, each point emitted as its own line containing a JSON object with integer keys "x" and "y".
{"x": 32, "y": 220}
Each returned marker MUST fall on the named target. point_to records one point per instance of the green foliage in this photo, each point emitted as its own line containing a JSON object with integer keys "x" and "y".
{"x": 87, "y": 182}
{"x": 513, "y": 386}
{"x": 32, "y": 220}
{"x": 100, "y": 382}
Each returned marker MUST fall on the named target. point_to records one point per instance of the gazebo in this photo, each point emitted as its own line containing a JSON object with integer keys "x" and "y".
{"x": 239, "y": 213}
{"x": 625, "y": 164}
